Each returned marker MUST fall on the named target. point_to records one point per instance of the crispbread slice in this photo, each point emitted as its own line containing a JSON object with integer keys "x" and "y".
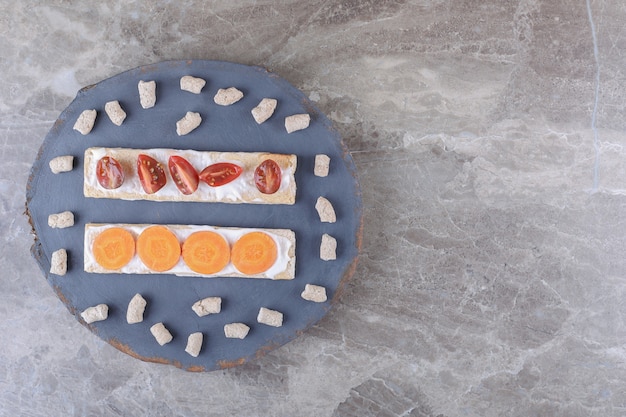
{"x": 241, "y": 190}
{"x": 284, "y": 268}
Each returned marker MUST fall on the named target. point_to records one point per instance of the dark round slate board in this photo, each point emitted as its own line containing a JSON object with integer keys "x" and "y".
{"x": 169, "y": 297}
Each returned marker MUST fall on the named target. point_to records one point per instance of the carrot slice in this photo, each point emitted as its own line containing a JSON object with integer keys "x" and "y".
{"x": 114, "y": 248}
{"x": 254, "y": 253}
{"x": 206, "y": 252}
{"x": 158, "y": 248}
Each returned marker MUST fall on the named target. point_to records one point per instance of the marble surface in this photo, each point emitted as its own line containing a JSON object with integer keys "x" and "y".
{"x": 489, "y": 139}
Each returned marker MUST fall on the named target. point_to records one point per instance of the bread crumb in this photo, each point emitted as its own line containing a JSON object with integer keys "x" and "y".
{"x": 297, "y": 122}
{"x": 206, "y": 306}
{"x": 161, "y": 334}
{"x": 192, "y": 84}
{"x": 264, "y": 110}
{"x": 322, "y": 165}
{"x": 115, "y": 112}
{"x": 188, "y": 123}
{"x": 61, "y": 220}
{"x": 58, "y": 263}
{"x": 314, "y": 293}
{"x": 61, "y": 164}
{"x": 328, "y": 248}
{"x": 147, "y": 93}
{"x": 85, "y": 121}
{"x": 325, "y": 210}
{"x": 194, "y": 344}
{"x": 236, "y": 330}
{"x": 135, "y": 310}
{"x": 270, "y": 317}
{"x": 227, "y": 96}
{"x": 95, "y": 313}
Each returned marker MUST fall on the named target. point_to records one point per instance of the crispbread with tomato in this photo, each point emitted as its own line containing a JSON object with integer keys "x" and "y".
{"x": 188, "y": 175}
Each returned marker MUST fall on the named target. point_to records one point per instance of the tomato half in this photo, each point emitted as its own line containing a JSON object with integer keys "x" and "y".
{"x": 109, "y": 173}
{"x": 151, "y": 174}
{"x": 184, "y": 174}
{"x": 220, "y": 173}
{"x": 267, "y": 176}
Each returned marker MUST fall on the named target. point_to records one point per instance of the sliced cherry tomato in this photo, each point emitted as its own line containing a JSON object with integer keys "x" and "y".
{"x": 220, "y": 173}
{"x": 184, "y": 174}
{"x": 267, "y": 176}
{"x": 151, "y": 174}
{"x": 109, "y": 173}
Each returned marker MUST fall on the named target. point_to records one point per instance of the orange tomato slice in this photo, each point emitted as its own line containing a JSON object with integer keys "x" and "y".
{"x": 158, "y": 248}
{"x": 113, "y": 248}
{"x": 254, "y": 253}
{"x": 206, "y": 252}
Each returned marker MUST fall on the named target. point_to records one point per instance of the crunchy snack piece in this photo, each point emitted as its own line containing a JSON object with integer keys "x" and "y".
{"x": 325, "y": 210}
{"x": 58, "y": 263}
{"x": 161, "y": 334}
{"x": 192, "y": 84}
{"x": 135, "y": 310}
{"x": 115, "y": 112}
{"x": 236, "y": 330}
{"x": 314, "y": 293}
{"x": 264, "y": 110}
{"x": 322, "y": 165}
{"x": 95, "y": 313}
{"x": 147, "y": 93}
{"x": 60, "y": 164}
{"x": 206, "y": 306}
{"x": 85, "y": 121}
{"x": 328, "y": 248}
{"x": 297, "y": 122}
{"x": 270, "y": 317}
{"x": 188, "y": 123}
{"x": 227, "y": 96}
{"x": 194, "y": 344}
{"x": 61, "y": 220}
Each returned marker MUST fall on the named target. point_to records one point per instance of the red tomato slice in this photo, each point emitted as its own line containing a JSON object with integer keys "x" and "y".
{"x": 220, "y": 173}
{"x": 109, "y": 173}
{"x": 267, "y": 177}
{"x": 151, "y": 174}
{"x": 184, "y": 174}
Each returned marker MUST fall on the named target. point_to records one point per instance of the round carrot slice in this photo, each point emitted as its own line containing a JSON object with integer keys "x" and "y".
{"x": 254, "y": 253}
{"x": 113, "y": 248}
{"x": 206, "y": 252}
{"x": 158, "y": 248}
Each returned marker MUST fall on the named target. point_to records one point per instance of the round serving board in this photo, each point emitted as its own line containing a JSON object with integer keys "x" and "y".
{"x": 223, "y": 128}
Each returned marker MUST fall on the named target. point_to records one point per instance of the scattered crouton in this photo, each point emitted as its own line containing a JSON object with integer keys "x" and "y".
{"x": 188, "y": 123}
{"x": 194, "y": 344}
{"x": 85, "y": 121}
{"x": 192, "y": 84}
{"x": 297, "y": 122}
{"x": 206, "y": 306}
{"x": 61, "y": 220}
{"x": 135, "y": 310}
{"x": 236, "y": 330}
{"x": 95, "y": 313}
{"x": 325, "y": 210}
{"x": 115, "y": 112}
{"x": 60, "y": 164}
{"x": 270, "y": 317}
{"x": 322, "y": 165}
{"x": 328, "y": 248}
{"x": 264, "y": 110}
{"x": 314, "y": 293}
{"x": 147, "y": 93}
{"x": 161, "y": 334}
{"x": 227, "y": 96}
{"x": 58, "y": 263}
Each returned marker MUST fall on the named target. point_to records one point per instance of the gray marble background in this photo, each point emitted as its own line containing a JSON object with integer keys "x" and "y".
{"x": 489, "y": 139}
